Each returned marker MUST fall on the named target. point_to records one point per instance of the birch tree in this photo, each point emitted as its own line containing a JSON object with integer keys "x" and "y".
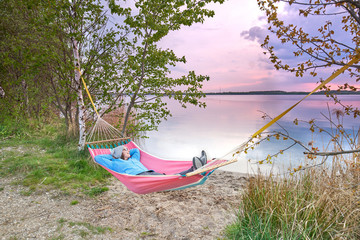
{"x": 2, "y": 92}
{"x": 80, "y": 102}
{"x": 96, "y": 50}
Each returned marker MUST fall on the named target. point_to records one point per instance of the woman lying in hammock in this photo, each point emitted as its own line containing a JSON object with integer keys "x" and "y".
{"x": 123, "y": 160}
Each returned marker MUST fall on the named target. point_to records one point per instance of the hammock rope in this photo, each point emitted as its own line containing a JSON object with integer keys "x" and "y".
{"x": 102, "y": 130}
{"x": 242, "y": 146}
{"x": 329, "y": 79}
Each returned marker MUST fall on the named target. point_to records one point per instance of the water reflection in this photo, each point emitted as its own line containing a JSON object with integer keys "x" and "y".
{"x": 228, "y": 121}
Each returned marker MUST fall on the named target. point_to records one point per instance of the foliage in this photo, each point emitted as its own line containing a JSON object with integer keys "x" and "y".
{"x": 146, "y": 69}
{"x": 118, "y": 60}
{"x": 11, "y": 130}
{"x": 334, "y": 42}
{"x": 74, "y": 202}
{"x": 322, "y": 47}
{"x": 23, "y": 61}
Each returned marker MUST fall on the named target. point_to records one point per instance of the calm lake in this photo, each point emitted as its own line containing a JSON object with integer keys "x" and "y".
{"x": 229, "y": 120}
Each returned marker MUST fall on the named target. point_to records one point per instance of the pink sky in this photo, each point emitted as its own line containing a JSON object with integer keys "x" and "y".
{"x": 219, "y": 48}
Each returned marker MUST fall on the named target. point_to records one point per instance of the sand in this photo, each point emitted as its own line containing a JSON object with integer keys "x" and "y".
{"x": 201, "y": 212}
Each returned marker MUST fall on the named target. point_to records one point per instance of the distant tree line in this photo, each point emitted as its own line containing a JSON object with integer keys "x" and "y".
{"x": 337, "y": 92}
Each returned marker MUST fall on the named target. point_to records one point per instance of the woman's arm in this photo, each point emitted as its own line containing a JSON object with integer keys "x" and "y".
{"x": 105, "y": 160}
{"x": 135, "y": 154}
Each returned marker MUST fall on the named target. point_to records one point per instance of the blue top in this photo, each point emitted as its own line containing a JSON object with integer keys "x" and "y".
{"x": 132, "y": 166}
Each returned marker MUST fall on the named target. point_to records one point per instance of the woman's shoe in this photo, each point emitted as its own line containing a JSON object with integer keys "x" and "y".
{"x": 197, "y": 163}
{"x": 203, "y": 157}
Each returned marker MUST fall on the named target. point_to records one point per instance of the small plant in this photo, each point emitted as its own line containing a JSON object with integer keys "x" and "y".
{"x": 13, "y": 238}
{"x": 95, "y": 191}
{"x": 61, "y": 221}
{"x": 74, "y": 202}
{"x": 26, "y": 193}
{"x": 147, "y": 234}
{"x": 60, "y": 237}
{"x": 4, "y": 132}
{"x": 91, "y": 228}
{"x": 83, "y": 229}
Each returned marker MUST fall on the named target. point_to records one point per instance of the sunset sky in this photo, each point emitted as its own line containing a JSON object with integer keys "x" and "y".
{"x": 227, "y": 48}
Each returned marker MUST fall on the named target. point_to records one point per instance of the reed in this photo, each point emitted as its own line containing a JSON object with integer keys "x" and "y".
{"x": 317, "y": 203}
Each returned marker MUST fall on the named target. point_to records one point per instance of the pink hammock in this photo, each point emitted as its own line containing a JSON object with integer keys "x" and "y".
{"x": 155, "y": 183}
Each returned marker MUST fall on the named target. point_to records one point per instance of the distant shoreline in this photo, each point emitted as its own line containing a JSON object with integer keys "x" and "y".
{"x": 282, "y": 93}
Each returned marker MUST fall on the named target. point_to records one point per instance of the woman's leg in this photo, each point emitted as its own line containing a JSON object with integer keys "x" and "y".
{"x": 187, "y": 171}
{"x": 151, "y": 172}
{"x": 197, "y": 163}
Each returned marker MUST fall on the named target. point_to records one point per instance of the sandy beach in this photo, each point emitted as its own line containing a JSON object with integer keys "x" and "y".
{"x": 201, "y": 212}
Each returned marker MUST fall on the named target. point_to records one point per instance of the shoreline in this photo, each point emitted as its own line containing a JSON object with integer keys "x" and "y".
{"x": 200, "y": 212}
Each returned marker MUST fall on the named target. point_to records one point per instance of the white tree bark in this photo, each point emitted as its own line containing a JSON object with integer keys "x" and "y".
{"x": 2, "y": 92}
{"x": 80, "y": 105}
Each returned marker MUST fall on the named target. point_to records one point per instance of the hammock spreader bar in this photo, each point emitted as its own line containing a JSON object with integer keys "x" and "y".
{"x": 116, "y": 142}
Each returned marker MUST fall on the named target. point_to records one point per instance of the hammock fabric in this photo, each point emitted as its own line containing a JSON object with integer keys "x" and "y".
{"x": 155, "y": 183}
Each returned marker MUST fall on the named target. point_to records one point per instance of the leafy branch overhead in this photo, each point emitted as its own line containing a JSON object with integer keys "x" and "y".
{"x": 330, "y": 41}
{"x": 334, "y": 42}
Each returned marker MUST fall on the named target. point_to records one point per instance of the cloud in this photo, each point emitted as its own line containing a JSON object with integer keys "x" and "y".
{"x": 255, "y": 34}
{"x": 227, "y": 48}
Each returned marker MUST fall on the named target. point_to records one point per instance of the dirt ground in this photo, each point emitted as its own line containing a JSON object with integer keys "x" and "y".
{"x": 201, "y": 212}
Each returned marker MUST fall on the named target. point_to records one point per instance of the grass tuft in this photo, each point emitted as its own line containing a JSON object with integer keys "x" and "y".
{"x": 95, "y": 191}
{"x": 82, "y": 229}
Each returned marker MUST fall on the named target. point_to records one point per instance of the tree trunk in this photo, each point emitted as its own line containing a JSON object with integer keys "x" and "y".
{"x": 133, "y": 98}
{"x": 26, "y": 97}
{"x": 80, "y": 102}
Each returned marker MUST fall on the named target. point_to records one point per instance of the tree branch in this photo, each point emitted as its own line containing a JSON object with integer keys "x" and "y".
{"x": 332, "y": 153}
{"x": 352, "y": 12}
